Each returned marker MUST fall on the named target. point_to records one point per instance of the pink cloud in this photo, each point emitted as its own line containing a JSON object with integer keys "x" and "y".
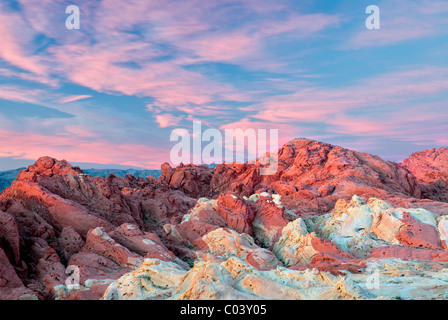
{"x": 80, "y": 131}
{"x": 169, "y": 83}
{"x": 167, "y": 120}
{"x": 400, "y": 21}
{"x": 286, "y": 132}
{"x": 74, "y": 148}
{"x": 318, "y": 104}
{"x": 20, "y": 94}
{"x": 381, "y": 106}
{"x": 193, "y": 29}
{"x": 29, "y": 77}
{"x": 16, "y": 35}
{"x": 74, "y": 98}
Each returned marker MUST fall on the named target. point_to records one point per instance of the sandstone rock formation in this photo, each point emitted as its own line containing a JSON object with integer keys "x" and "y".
{"x": 324, "y": 260}
{"x": 331, "y": 223}
{"x": 54, "y": 216}
{"x": 431, "y": 169}
{"x": 313, "y": 175}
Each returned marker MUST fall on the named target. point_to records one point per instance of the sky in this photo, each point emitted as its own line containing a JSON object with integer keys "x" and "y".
{"x": 111, "y": 92}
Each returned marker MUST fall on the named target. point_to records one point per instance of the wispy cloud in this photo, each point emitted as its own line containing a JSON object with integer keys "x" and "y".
{"x": 20, "y": 94}
{"x": 402, "y": 21}
{"x": 167, "y": 120}
{"x": 31, "y": 145}
{"x": 17, "y": 43}
{"x": 73, "y": 98}
{"x": 387, "y": 105}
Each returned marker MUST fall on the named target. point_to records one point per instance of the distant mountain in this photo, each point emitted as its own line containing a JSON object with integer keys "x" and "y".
{"x": 7, "y": 177}
{"x": 121, "y": 173}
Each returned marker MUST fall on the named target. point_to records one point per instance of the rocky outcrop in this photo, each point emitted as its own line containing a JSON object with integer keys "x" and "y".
{"x": 10, "y": 237}
{"x": 11, "y": 287}
{"x": 270, "y": 219}
{"x": 226, "y": 243}
{"x": 54, "y": 217}
{"x": 360, "y": 225}
{"x": 312, "y": 176}
{"x": 237, "y": 213}
{"x": 359, "y": 250}
{"x": 431, "y": 169}
{"x": 145, "y": 244}
{"x": 192, "y": 180}
{"x": 234, "y": 279}
{"x": 326, "y": 225}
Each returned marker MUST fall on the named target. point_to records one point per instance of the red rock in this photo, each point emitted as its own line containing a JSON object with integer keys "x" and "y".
{"x": 431, "y": 169}
{"x": 408, "y": 253}
{"x": 50, "y": 272}
{"x": 331, "y": 259}
{"x": 335, "y": 264}
{"x": 83, "y": 295}
{"x": 10, "y": 237}
{"x": 54, "y": 210}
{"x": 312, "y": 175}
{"x": 262, "y": 260}
{"x": 418, "y": 234}
{"x": 269, "y": 221}
{"x": 29, "y": 224}
{"x": 11, "y": 287}
{"x": 72, "y": 184}
{"x": 48, "y": 214}
{"x": 47, "y": 166}
{"x": 237, "y": 212}
{"x": 143, "y": 243}
{"x": 438, "y": 208}
{"x": 99, "y": 289}
{"x": 193, "y": 231}
{"x": 53, "y": 202}
{"x": 45, "y": 269}
{"x": 95, "y": 266}
{"x": 99, "y": 242}
{"x": 326, "y": 246}
{"x": 193, "y": 180}
{"x": 70, "y": 242}
{"x": 117, "y": 200}
{"x": 210, "y": 215}
{"x": 166, "y": 172}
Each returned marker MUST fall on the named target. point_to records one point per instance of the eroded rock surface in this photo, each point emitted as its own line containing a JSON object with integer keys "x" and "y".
{"x": 431, "y": 169}
{"x": 331, "y": 223}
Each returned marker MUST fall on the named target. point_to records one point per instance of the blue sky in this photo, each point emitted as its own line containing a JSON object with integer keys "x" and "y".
{"x": 112, "y": 91}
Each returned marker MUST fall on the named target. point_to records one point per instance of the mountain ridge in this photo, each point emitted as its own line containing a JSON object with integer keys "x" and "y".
{"x": 327, "y": 212}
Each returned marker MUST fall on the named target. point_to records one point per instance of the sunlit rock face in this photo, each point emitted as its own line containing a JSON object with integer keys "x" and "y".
{"x": 362, "y": 249}
{"x": 430, "y": 167}
{"x": 332, "y": 223}
{"x": 360, "y": 225}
